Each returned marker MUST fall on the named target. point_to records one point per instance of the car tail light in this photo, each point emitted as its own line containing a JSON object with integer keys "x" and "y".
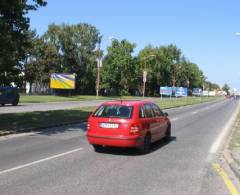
{"x": 134, "y": 129}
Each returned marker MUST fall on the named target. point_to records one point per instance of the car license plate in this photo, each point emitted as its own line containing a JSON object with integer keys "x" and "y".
{"x": 109, "y": 125}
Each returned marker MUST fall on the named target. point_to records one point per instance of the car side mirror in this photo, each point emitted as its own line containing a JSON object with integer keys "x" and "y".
{"x": 165, "y": 114}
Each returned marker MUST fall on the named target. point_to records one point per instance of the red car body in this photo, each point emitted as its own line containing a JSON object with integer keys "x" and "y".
{"x": 127, "y": 124}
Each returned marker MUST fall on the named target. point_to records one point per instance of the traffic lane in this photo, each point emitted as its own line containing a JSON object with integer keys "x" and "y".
{"x": 51, "y": 141}
{"x": 185, "y": 117}
{"x": 193, "y": 109}
{"x": 174, "y": 168}
{"x": 48, "y": 142}
{"x": 30, "y": 107}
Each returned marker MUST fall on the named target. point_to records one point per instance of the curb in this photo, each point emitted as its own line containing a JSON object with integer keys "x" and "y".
{"x": 233, "y": 163}
{"x": 4, "y": 133}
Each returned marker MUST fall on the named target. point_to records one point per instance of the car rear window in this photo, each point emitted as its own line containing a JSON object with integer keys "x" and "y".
{"x": 114, "y": 111}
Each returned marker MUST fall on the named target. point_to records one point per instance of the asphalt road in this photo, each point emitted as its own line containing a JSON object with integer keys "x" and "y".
{"x": 60, "y": 161}
{"x": 30, "y": 107}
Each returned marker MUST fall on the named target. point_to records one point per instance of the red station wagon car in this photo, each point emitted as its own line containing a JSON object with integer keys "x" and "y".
{"x": 127, "y": 124}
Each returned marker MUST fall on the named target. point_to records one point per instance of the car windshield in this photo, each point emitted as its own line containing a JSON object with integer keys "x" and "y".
{"x": 114, "y": 111}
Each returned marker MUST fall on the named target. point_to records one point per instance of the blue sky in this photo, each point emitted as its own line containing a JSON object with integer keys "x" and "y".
{"x": 204, "y": 30}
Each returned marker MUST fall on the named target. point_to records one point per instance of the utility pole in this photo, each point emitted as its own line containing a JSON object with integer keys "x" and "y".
{"x": 144, "y": 78}
{"x": 145, "y": 73}
{"x": 98, "y": 69}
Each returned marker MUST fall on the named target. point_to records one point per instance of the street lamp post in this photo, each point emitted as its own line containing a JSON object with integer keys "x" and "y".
{"x": 99, "y": 62}
{"x": 145, "y": 73}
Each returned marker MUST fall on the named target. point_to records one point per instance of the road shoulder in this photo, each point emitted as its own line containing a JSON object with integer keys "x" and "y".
{"x": 232, "y": 148}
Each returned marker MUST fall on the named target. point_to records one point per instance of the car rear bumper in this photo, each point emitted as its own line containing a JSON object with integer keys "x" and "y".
{"x": 115, "y": 141}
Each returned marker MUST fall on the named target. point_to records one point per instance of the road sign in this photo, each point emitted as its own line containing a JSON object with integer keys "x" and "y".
{"x": 166, "y": 91}
{"x": 197, "y": 91}
{"x": 181, "y": 92}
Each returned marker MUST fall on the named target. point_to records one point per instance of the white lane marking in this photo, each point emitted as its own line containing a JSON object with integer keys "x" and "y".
{"x": 195, "y": 112}
{"x": 215, "y": 146}
{"x": 211, "y": 106}
{"x": 39, "y": 161}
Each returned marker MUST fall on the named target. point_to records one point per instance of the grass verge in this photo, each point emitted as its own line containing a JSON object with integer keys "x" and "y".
{"x": 16, "y": 122}
{"x": 235, "y": 138}
{"x": 166, "y": 103}
{"x": 53, "y": 98}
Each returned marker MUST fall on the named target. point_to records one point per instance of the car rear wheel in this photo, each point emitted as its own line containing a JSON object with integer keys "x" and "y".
{"x": 145, "y": 148}
{"x": 15, "y": 103}
{"x": 97, "y": 148}
{"x": 168, "y": 134}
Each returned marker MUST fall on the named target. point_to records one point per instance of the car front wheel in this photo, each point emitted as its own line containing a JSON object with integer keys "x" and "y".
{"x": 97, "y": 148}
{"x": 168, "y": 134}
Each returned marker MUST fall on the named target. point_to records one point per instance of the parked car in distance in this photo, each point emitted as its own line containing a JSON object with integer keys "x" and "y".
{"x": 9, "y": 95}
{"x": 127, "y": 123}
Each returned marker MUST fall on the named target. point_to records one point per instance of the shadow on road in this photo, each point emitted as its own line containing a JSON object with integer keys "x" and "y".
{"x": 45, "y": 122}
{"x": 135, "y": 152}
{"x": 11, "y": 106}
{"x": 63, "y": 129}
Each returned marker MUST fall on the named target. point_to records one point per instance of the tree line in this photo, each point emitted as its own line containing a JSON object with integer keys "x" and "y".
{"x": 28, "y": 57}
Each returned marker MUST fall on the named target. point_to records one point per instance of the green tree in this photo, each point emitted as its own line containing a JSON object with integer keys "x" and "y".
{"x": 162, "y": 68}
{"x": 168, "y": 67}
{"x": 211, "y": 86}
{"x": 14, "y": 41}
{"x": 119, "y": 72}
{"x": 42, "y": 61}
{"x": 75, "y": 45}
{"x": 190, "y": 75}
{"x": 226, "y": 88}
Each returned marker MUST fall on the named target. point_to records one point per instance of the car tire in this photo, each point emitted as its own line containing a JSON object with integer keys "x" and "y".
{"x": 15, "y": 103}
{"x": 97, "y": 148}
{"x": 145, "y": 148}
{"x": 3, "y": 104}
{"x": 168, "y": 134}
